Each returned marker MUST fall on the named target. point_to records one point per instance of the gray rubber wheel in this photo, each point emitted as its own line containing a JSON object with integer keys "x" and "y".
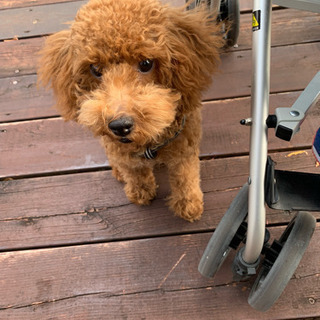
{"x": 218, "y": 246}
{"x": 270, "y": 283}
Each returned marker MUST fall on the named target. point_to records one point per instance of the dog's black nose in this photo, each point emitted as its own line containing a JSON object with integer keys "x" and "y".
{"x": 121, "y": 127}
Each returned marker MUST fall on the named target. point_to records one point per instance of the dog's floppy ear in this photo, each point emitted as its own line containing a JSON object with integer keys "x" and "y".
{"x": 55, "y": 69}
{"x": 195, "y": 40}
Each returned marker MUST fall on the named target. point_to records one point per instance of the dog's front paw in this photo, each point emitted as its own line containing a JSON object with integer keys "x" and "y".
{"x": 189, "y": 207}
{"x": 141, "y": 195}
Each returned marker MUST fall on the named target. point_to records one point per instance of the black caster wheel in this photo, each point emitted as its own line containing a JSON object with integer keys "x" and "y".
{"x": 230, "y": 17}
{"x": 219, "y": 245}
{"x": 212, "y": 5}
{"x": 274, "y": 276}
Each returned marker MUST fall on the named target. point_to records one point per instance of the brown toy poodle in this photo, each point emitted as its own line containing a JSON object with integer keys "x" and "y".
{"x": 133, "y": 72}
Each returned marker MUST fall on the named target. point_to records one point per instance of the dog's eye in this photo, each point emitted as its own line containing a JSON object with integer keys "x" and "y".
{"x": 95, "y": 71}
{"x": 145, "y": 66}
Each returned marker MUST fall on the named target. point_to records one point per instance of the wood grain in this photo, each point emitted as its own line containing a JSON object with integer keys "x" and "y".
{"x": 21, "y": 99}
{"x": 39, "y": 146}
{"x": 8, "y": 4}
{"x": 91, "y": 207}
{"x": 245, "y": 5}
{"x": 52, "y": 145}
{"x": 131, "y": 279}
{"x": 20, "y": 57}
{"x": 71, "y": 244}
{"x": 288, "y": 27}
{"x": 38, "y": 20}
{"x": 233, "y": 80}
{"x": 31, "y": 21}
{"x": 287, "y": 62}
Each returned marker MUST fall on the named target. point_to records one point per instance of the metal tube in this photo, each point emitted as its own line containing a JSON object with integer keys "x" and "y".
{"x": 258, "y": 143}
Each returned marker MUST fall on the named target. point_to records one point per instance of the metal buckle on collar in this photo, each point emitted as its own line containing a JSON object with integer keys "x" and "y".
{"x": 151, "y": 153}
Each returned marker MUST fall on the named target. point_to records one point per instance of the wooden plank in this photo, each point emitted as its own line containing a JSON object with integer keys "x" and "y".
{"x": 221, "y": 126}
{"x": 20, "y": 57}
{"x": 47, "y": 143}
{"x": 287, "y": 62}
{"x": 6, "y": 4}
{"x": 21, "y": 99}
{"x": 224, "y": 302}
{"x": 38, "y": 20}
{"x": 27, "y": 21}
{"x": 41, "y": 20}
{"x": 245, "y": 5}
{"x": 111, "y": 280}
{"x": 288, "y": 27}
{"x": 51, "y": 145}
{"x": 234, "y": 80}
{"x": 91, "y": 207}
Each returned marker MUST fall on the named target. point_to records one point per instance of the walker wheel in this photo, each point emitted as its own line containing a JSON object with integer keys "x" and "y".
{"x": 219, "y": 245}
{"x": 230, "y": 16}
{"x": 274, "y": 277}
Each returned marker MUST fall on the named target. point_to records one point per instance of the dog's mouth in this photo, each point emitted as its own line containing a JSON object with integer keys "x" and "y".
{"x": 125, "y": 140}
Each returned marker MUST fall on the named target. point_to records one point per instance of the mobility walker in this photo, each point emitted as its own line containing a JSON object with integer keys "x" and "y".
{"x": 245, "y": 219}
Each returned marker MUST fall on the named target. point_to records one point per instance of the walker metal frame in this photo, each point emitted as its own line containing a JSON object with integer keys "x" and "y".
{"x": 245, "y": 220}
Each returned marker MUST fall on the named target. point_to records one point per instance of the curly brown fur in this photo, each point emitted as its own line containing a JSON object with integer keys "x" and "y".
{"x": 96, "y": 77}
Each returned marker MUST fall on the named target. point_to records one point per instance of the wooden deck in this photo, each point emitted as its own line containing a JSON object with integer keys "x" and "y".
{"x": 73, "y": 247}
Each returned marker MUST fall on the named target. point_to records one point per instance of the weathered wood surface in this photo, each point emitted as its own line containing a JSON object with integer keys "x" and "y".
{"x": 99, "y": 210}
{"x": 18, "y": 57}
{"x": 286, "y": 63}
{"x": 8, "y": 4}
{"x": 21, "y": 99}
{"x": 20, "y": 96}
{"x": 245, "y": 5}
{"x": 132, "y": 280}
{"x": 37, "y": 20}
{"x": 5, "y": 4}
{"x": 73, "y": 247}
{"x": 52, "y": 145}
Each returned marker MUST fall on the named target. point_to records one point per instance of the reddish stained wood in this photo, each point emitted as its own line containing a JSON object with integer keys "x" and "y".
{"x": 47, "y": 143}
{"x": 5, "y": 4}
{"x": 111, "y": 280}
{"x": 108, "y": 281}
{"x": 287, "y": 28}
{"x": 19, "y": 57}
{"x": 221, "y": 125}
{"x": 38, "y": 20}
{"x": 287, "y": 62}
{"x": 21, "y": 99}
{"x": 234, "y": 80}
{"x": 51, "y": 145}
{"x": 90, "y": 207}
{"x": 41, "y": 19}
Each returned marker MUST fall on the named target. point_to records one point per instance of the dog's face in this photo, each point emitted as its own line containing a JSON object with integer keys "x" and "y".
{"x": 127, "y": 69}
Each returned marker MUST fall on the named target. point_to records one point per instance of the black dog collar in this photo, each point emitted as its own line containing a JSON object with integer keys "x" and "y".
{"x": 151, "y": 153}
